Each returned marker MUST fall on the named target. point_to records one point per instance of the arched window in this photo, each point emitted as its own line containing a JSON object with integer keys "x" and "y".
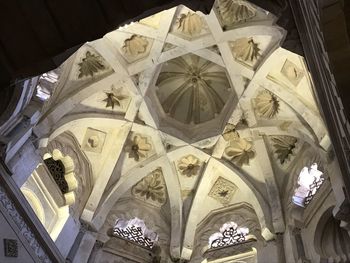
{"x": 57, "y": 171}
{"x": 136, "y": 231}
{"x": 230, "y": 234}
{"x": 309, "y": 181}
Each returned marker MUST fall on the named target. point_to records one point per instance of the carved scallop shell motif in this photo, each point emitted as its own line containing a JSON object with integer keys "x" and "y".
{"x": 190, "y": 24}
{"x": 235, "y": 11}
{"x": 267, "y": 104}
{"x": 135, "y": 45}
{"x": 245, "y": 49}
{"x": 284, "y": 147}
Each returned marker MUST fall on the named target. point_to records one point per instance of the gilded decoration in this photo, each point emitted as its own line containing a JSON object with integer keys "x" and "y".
{"x": 223, "y": 191}
{"x": 267, "y": 104}
{"x": 151, "y": 188}
{"x": 189, "y": 166}
{"x": 190, "y": 24}
{"x": 135, "y": 45}
{"x": 284, "y": 147}
{"x": 292, "y": 72}
{"x": 138, "y": 148}
{"x": 245, "y": 49}
{"x": 232, "y": 12}
{"x": 192, "y": 90}
{"x": 90, "y": 65}
{"x": 240, "y": 151}
{"x": 114, "y": 97}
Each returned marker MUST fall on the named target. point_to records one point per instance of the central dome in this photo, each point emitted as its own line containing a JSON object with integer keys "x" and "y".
{"x": 192, "y": 90}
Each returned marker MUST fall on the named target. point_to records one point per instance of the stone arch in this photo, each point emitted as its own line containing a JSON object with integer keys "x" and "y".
{"x": 35, "y": 203}
{"x": 331, "y": 241}
{"x": 62, "y": 170}
{"x": 243, "y": 214}
{"x": 66, "y": 148}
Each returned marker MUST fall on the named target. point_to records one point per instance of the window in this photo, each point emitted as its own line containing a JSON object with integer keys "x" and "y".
{"x": 230, "y": 234}
{"x": 57, "y": 171}
{"x": 136, "y": 231}
{"x": 309, "y": 181}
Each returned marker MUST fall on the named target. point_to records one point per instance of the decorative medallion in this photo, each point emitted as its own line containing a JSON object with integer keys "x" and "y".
{"x": 192, "y": 90}
{"x": 151, "y": 188}
{"x": 190, "y": 24}
{"x": 10, "y": 248}
{"x": 189, "y": 166}
{"x": 114, "y": 97}
{"x": 90, "y": 65}
{"x": 232, "y": 12}
{"x": 230, "y": 132}
{"x": 230, "y": 234}
{"x": 240, "y": 151}
{"x": 138, "y": 147}
{"x": 245, "y": 49}
{"x": 284, "y": 146}
{"x": 93, "y": 140}
{"x": 292, "y": 72}
{"x": 223, "y": 191}
{"x": 267, "y": 104}
{"x": 135, "y": 45}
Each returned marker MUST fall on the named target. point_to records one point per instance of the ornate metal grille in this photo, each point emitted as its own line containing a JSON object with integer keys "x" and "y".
{"x": 313, "y": 189}
{"x": 230, "y": 235}
{"x": 57, "y": 171}
{"x": 134, "y": 233}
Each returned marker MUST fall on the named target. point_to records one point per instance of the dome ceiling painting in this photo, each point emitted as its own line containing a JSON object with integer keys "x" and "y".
{"x": 183, "y": 109}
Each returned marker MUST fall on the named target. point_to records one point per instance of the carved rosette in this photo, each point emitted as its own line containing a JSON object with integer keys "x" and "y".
{"x": 90, "y": 65}
{"x": 232, "y": 12}
{"x": 151, "y": 188}
{"x": 138, "y": 147}
{"x": 223, "y": 191}
{"x": 189, "y": 166}
{"x": 267, "y": 104}
{"x": 240, "y": 151}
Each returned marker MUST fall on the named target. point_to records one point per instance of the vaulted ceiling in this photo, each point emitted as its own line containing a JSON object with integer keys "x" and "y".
{"x": 183, "y": 109}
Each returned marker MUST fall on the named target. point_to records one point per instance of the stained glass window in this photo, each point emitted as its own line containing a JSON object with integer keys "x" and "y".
{"x": 309, "y": 181}
{"x": 136, "y": 231}
{"x": 230, "y": 234}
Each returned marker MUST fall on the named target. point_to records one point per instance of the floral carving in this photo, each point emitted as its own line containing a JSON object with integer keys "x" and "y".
{"x": 292, "y": 72}
{"x": 93, "y": 140}
{"x": 240, "y": 151}
{"x": 223, "y": 190}
{"x": 189, "y": 165}
{"x": 151, "y": 187}
{"x": 190, "y": 24}
{"x": 235, "y": 11}
{"x": 114, "y": 97}
{"x": 138, "y": 147}
{"x": 246, "y": 49}
{"x": 284, "y": 146}
{"x": 135, "y": 45}
{"x": 90, "y": 65}
{"x": 267, "y": 104}
{"x": 230, "y": 132}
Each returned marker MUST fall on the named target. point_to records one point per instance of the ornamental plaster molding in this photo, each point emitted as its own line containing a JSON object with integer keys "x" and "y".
{"x": 68, "y": 145}
{"x": 151, "y": 189}
{"x": 25, "y": 230}
{"x": 223, "y": 191}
